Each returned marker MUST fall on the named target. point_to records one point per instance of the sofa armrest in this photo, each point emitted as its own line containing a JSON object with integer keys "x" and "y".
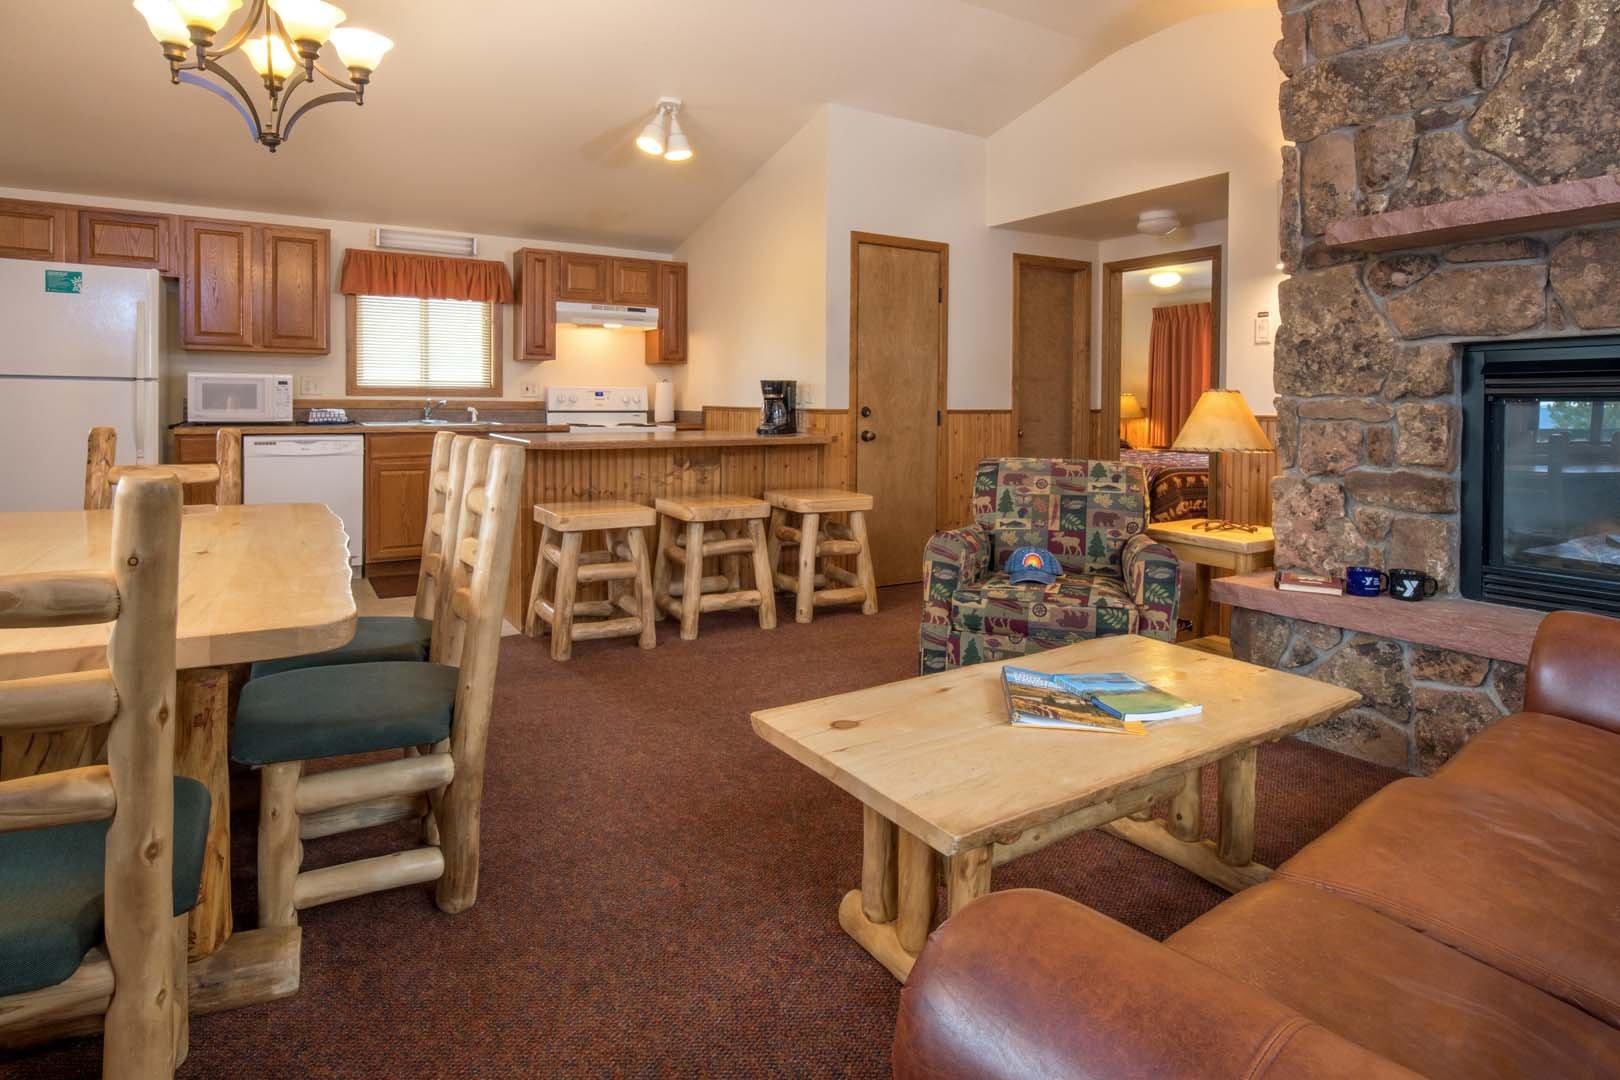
{"x": 1153, "y": 578}
{"x": 953, "y": 558}
{"x": 1028, "y": 984}
{"x": 1574, "y": 669}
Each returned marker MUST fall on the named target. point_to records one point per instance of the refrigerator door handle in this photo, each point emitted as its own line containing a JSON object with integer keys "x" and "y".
{"x": 140, "y": 422}
{"x": 145, "y": 342}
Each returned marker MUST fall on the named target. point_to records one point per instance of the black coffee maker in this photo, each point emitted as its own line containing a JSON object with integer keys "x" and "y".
{"x": 781, "y": 401}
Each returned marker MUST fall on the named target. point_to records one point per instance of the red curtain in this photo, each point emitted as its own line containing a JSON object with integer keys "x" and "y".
{"x": 390, "y": 273}
{"x": 1179, "y": 362}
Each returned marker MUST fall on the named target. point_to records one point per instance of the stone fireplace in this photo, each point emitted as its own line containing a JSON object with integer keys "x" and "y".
{"x": 1450, "y": 180}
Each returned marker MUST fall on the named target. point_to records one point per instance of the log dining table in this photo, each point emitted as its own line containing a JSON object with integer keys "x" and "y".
{"x": 257, "y": 583}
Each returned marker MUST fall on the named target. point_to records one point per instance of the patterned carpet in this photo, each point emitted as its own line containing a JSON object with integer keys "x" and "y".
{"x": 659, "y": 887}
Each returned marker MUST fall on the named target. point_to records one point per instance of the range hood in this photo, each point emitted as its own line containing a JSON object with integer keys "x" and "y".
{"x": 612, "y": 316}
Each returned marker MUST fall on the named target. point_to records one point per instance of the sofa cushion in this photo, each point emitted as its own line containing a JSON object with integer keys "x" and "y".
{"x": 344, "y": 709}
{"x": 1393, "y": 990}
{"x": 376, "y": 638}
{"x": 1078, "y": 606}
{"x": 1563, "y": 767}
{"x": 51, "y": 890}
{"x": 1507, "y": 883}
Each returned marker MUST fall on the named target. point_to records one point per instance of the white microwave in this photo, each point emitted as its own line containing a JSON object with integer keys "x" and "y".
{"x": 214, "y": 397}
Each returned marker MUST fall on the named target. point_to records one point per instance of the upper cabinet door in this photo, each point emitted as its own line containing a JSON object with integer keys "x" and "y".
{"x": 118, "y": 238}
{"x": 535, "y": 276}
{"x": 584, "y": 277}
{"x": 634, "y": 281}
{"x": 31, "y": 230}
{"x": 218, "y": 287}
{"x": 667, "y": 344}
{"x": 296, "y": 281}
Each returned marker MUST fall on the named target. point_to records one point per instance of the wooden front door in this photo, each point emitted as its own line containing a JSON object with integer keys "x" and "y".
{"x": 1051, "y": 356}
{"x": 897, "y": 391}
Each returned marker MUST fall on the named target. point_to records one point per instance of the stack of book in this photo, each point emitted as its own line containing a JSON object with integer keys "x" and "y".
{"x": 1101, "y": 701}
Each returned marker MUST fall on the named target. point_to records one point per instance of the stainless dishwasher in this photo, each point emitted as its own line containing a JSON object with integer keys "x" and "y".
{"x": 328, "y": 469}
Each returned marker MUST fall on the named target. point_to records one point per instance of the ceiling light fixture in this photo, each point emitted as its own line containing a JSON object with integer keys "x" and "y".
{"x": 1164, "y": 279}
{"x": 1157, "y": 222}
{"x": 285, "y": 53}
{"x": 663, "y": 136}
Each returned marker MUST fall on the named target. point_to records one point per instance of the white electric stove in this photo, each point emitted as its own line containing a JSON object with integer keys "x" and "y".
{"x": 600, "y": 410}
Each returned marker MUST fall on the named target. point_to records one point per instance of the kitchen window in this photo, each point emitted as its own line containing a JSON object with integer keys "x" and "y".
{"x": 408, "y": 344}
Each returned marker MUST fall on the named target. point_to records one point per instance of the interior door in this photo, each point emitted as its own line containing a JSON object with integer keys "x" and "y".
{"x": 898, "y": 375}
{"x": 1051, "y": 356}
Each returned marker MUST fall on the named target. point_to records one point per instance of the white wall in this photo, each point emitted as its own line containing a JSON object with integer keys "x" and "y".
{"x": 1136, "y": 334}
{"x": 757, "y": 281}
{"x": 584, "y": 355}
{"x": 893, "y": 176}
{"x": 1196, "y": 100}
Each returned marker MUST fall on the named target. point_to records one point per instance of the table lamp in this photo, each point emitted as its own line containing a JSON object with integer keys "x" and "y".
{"x": 1129, "y": 409}
{"x": 1221, "y": 423}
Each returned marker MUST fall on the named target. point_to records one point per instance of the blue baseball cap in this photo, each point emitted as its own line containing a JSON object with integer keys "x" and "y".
{"x": 1033, "y": 564}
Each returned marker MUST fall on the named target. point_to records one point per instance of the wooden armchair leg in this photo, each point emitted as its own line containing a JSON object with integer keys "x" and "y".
{"x": 280, "y": 850}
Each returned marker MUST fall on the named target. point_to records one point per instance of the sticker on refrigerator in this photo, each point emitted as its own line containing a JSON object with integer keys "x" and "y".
{"x": 64, "y": 281}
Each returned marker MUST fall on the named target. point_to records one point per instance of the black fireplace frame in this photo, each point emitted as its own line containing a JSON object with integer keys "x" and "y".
{"x": 1577, "y": 366}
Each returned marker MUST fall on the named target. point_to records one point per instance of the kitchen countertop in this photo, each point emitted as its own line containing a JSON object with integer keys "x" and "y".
{"x": 657, "y": 439}
{"x": 378, "y": 428}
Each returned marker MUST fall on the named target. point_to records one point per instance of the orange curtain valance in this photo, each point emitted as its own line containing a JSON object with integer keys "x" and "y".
{"x": 389, "y": 273}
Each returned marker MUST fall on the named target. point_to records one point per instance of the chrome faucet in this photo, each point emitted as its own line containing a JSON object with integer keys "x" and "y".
{"x": 427, "y": 409}
{"x": 472, "y": 414}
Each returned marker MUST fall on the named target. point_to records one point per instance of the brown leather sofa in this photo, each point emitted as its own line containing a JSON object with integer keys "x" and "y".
{"x": 1463, "y": 925}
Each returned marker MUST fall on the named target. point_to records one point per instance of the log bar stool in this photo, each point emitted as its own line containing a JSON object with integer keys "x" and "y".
{"x": 624, "y": 559}
{"x": 816, "y": 539}
{"x": 696, "y": 593}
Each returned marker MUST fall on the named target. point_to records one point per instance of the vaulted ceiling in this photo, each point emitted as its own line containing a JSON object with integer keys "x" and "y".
{"x": 515, "y": 117}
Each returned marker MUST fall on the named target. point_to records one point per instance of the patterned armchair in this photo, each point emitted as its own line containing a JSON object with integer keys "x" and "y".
{"x": 1092, "y": 515}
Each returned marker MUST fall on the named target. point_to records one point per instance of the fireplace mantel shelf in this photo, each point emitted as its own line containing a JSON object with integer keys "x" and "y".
{"x": 1484, "y": 217}
{"x": 1467, "y": 626}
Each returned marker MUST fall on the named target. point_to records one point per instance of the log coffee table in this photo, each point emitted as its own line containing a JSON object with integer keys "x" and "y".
{"x": 941, "y": 774}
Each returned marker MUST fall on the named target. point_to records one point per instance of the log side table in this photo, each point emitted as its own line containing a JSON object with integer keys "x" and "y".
{"x": 1236, "y": 551}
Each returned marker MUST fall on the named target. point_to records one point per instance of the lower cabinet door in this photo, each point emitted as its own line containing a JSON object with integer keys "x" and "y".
{"x": 397, "y": 469}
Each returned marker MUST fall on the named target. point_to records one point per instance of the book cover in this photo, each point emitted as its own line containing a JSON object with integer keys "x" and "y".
{"x": 1036, "y": 699}
{"x": 1291, "y": 581}
{"x": 1145, "y": 706}
{"x": 1093, "y": 682}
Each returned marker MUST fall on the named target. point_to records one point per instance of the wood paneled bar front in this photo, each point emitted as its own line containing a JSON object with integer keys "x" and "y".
{"x": 642, "y": 467}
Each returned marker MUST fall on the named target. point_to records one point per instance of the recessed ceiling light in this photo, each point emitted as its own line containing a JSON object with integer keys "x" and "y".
{"x": 1165, "y": 279}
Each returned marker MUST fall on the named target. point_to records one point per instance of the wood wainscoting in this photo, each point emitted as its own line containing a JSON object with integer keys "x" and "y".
{"x": 970, "y": 436}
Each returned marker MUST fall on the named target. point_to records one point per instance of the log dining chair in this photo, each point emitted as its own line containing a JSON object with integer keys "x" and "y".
{"x": 441, "y": 708}
{"x": 101, "y": 474}
{"x": 405, "y": 637}
{"x": 98, "y": 865}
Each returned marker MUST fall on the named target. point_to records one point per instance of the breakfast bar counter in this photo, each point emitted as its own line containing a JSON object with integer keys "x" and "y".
{"x": 641, "y": 466}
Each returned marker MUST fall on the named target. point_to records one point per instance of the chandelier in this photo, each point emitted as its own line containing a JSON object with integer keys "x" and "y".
{"x": 281, "y": 40}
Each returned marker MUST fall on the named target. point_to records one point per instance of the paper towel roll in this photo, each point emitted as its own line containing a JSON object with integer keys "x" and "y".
{"x": 663, "y": 401}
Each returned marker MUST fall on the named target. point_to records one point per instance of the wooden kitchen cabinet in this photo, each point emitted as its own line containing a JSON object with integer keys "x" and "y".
{"x": 197, "y": 448}
{"x": 397, "y": 468}
{"x": 583, "y": 277}
{"x": 30, "y": 230}
{"x": 296, "y": 286}
{"x": 667, "y": 344}
{"x": 634, "y": 282}
{"x": 124, "y": 238}
{"x": 254, "y": 288}
{"x": 534, "y": 284}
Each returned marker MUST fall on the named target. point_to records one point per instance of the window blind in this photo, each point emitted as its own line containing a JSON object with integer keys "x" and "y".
{"x": 407, "y": 342}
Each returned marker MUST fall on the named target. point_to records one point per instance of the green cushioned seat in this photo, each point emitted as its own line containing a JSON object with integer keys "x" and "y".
{"x": 376, "y": 638}
{"x": 343, "y": 709}
{"x": 51, "y": 890}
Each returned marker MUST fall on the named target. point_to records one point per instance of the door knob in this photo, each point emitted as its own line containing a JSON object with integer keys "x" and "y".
{"x": 868, "y": 435}
{"x": 866, "y": 410}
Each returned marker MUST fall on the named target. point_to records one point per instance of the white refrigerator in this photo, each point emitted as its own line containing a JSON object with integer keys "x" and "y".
{"x": 78, "y": 349}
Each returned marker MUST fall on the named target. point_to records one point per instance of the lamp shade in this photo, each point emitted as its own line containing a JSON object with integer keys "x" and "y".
{"x": 269, "y": 56}
{"x": 359, "y": 48}
{"x": 164, "y": 22}
{"x": 209, "y": 14}
{"x": 1222, "y": 423}
{"x": 307, "y": 20}
{"x": 1130, "y": 408}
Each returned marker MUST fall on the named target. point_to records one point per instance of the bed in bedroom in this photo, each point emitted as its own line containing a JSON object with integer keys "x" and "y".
{"x": 1177, "y": 483}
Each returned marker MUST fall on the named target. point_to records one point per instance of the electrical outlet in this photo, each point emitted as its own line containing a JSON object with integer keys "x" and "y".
{"x": 528, "y": 389}
{"x": 309, "y": 386}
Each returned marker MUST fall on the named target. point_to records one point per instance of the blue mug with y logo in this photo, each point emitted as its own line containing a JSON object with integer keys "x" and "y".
{"x": 1364, "y": 581}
